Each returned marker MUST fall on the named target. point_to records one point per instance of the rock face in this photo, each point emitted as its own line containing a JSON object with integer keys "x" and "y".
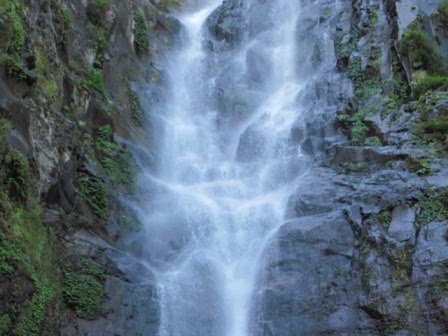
{"x": 364, "y": 247}
{"x": 349, "y": 258}
{"x": 70, "y": 77}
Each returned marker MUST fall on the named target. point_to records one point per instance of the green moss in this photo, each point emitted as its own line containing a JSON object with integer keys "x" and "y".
{"x": 5, "y": 324}
{"x": 94, "y": 192}
{"x": 93, "y": 82}
{"x": 422, "y": 51}
{"x": 430, "y": 83}
{"x": 141, "y": 33}
{"x": 83, "y": 293}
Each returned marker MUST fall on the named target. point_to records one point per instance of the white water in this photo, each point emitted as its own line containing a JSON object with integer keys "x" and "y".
{"x": 211, "y": 215}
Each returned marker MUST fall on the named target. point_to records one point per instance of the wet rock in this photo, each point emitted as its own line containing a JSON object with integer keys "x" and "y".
{"x": 402, "y": 226}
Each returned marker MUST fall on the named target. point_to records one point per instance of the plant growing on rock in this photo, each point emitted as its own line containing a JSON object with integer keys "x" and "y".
{"x": 141, "y": 32}
{"x": 93, "y": 82}
{"x": 12, "y": 35}
{"x": 432, "y": 208}
{"x": 430, "y": 83}
{"x": 422, "y": 51}
{"x": 96, "y": 11}
{"x": 135, "y": 108}
{"x": 83, "y": 290}
{"x": 94, "y": 192}
{"x": 116, "y": 160}
{"x": 443, "y": 10}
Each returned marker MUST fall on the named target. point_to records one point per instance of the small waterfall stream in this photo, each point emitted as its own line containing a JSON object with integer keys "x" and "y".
{"x": 219, "y": 189}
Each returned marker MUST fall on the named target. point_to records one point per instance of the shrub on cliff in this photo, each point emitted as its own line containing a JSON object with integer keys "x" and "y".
{"x": 422, "y": 51}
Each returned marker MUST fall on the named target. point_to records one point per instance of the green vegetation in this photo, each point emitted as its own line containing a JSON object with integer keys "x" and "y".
{"x": 96, "y": 11}
{"x": 26, "y": 245}
{"x": 130, "y": 222}
{"x": 100, "y": 43}
{"x": 419, "y": 166}
{"x": 400, "y": 81}
{"x": 401, "y": 265}
{"x": 356, "y": 126}
{"x": 93, "y": 82}
{"x": 443, "y": 10}
{"x": 432, "y": 208}
{"x": 46, "y": 85}
{"x": 135, "y": 107}
{"x": 116, "y": 160}
{"x": 5, "y": 324}
{"x": 13, "y": 37}
{"x": 390, "y": 105}
{"x": 94, "y": 192}
{"x": 432, "y": 128}
{"x": 64, "y": 19}
{"x": 422, "y": 51}
{"x": 430, "y": 83}
{"x": 384, "y": 218}
{"x": 170, "y": 4}
{"x": 83, "y": 289}
{"x": 141, "y": 33}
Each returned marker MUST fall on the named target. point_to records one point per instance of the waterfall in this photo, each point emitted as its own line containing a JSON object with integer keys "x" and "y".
{"x": 220, "y": 185}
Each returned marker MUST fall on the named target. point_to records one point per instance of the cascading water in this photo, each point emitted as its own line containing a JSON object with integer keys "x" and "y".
{"x": 220, "y": 188}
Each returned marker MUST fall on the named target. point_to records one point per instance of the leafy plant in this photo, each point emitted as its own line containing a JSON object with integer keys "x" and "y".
{"x": 83, "y": 293}
{"x": 94, "y": 192}
{"x": 116, "y": 160}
